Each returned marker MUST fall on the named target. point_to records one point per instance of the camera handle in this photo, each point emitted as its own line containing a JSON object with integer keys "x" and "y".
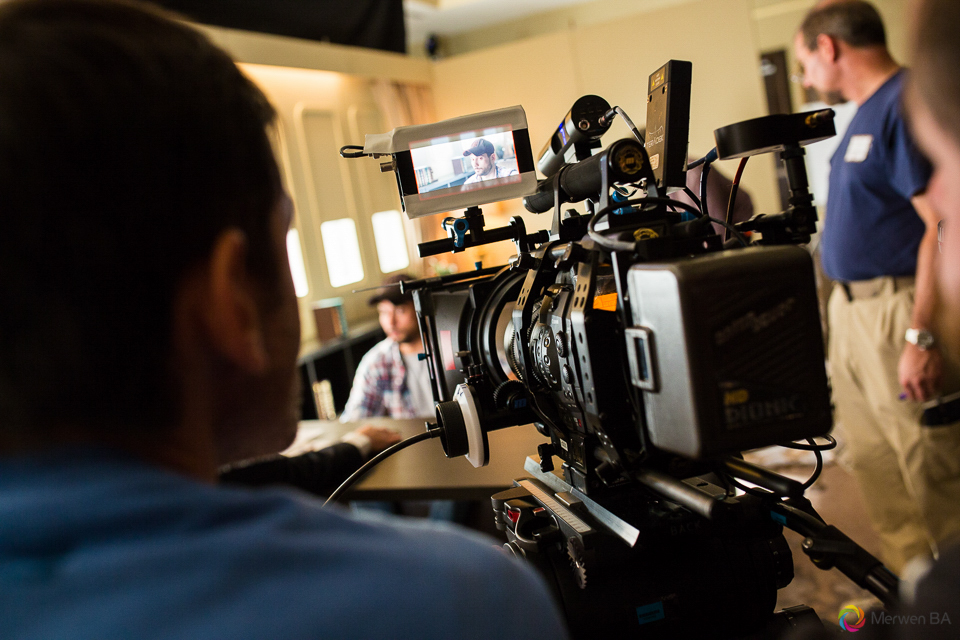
{"x": 828, "y": 547}
{"x": 469, "y": 231}
{"x": 786, "y": 134}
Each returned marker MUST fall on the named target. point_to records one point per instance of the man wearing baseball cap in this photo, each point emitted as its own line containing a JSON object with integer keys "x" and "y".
{"x": 484, "y": 157}
{"x": 391, "y": 380}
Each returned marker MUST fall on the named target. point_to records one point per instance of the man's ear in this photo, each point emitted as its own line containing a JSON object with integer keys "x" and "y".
{"x": 827, "y": 46}
{"x": 230, "y": 311}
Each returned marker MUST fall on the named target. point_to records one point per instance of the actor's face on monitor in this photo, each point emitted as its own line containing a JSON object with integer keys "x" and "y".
{"x": 483, "y": 165}
{"x": 464, "y": 160}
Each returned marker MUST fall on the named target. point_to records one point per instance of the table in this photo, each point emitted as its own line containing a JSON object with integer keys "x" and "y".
{"x": 422, "y": 471}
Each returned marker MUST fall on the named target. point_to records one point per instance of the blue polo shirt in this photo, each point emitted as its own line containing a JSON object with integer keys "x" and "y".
{"x": 871, "y": 229}
{"x": 96, "y": 545}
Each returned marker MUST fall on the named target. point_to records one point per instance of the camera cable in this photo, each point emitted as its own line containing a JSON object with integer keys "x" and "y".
{"x": 613, "y": 112}
{"x": 542, "y": 415}
{"x": 621, "y": 245}
{"x": 704, "y": 174}
{"x": 732, "y": 229}
{"x": 352, "y": 151}
{"x": 817, "y": 450}
{"x": 734, "y": 189}
{"x": 694, "y": 197}
{"x": 372, "y": 462}
{"x": 811, "y": 445}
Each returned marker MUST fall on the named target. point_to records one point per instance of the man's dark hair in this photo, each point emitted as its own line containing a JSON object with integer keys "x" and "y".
{"x": 128, "y": 144}
{"x": 855, "y": 22}
{"x": 934, "y": 76}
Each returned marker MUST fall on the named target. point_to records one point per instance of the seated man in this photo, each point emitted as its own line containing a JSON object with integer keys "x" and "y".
{"x": 391, "y": 380}
{"x": 148, "y": 334}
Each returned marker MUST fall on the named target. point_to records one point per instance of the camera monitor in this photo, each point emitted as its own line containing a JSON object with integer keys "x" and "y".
{"x": 461, "y": 162}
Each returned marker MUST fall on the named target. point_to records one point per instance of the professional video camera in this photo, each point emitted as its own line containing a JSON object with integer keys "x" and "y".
{"x": 649, "y": 350}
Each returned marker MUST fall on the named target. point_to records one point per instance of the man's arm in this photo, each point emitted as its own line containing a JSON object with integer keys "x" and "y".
{"x": 921, "y": 372}
{"x": 319, "y": 472}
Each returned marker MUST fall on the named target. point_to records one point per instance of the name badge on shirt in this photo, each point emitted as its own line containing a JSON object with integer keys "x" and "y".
{"x": 858, "y": 148}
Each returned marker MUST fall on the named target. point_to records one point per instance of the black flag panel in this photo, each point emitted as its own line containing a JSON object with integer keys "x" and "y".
{"x": 376, "y": 24}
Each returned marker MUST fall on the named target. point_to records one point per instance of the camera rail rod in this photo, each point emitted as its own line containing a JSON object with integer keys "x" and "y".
{"x": 778, "y": 484}
{"x": 469, "y": 231}
{"x": 620, "y": 528}
{"x": 439, "y": 281}
{"x": 700, "y": 502}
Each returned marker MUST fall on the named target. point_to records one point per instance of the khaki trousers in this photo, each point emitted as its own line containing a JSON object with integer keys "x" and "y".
{"x": 909, "y": 475}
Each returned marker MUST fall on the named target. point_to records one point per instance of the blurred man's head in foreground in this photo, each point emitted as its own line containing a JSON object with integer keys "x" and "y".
{"x": 933, "y": 102}
{"x": 143, "y": 267}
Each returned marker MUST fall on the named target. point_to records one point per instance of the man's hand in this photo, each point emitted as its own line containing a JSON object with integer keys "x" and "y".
{"x": 380, "y": 437}
{"x": 920, "y": 372}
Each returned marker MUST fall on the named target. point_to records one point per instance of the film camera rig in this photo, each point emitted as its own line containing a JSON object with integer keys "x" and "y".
{"x": 650, "y": 352}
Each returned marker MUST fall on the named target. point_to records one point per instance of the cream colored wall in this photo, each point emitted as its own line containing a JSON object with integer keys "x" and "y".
{"x": 547, "y": 73}
{"x": 323, "y": 96}
{"x": 569, "y": 17}
{"x": 281, "y": 51}
{"x": 320, "y": 111}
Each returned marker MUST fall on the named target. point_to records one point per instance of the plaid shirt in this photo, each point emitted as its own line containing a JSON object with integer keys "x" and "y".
{"x": 380, "y": 387}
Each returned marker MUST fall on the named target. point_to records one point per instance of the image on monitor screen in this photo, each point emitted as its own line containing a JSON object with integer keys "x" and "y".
{"x": 465, "y": 162}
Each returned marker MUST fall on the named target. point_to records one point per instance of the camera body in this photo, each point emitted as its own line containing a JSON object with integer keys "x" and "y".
{"x": 622, "y": 359}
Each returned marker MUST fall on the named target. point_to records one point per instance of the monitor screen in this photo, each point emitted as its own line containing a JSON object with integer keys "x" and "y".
{"x": 465, "y": 161}
{"x": 461, "y": 162}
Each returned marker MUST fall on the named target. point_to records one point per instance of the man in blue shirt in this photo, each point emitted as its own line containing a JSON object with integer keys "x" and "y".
{"x": 148, "y": 334}
{"x": 880, "y": 243}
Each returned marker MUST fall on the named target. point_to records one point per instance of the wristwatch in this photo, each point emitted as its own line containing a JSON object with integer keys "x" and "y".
{"x": 921, "y": 338}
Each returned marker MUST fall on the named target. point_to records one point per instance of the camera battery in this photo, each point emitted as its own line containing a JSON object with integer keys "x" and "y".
{"x": 731, "y": 356}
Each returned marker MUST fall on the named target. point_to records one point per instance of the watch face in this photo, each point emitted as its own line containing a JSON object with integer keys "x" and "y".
{"x": 922, "y": 338}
